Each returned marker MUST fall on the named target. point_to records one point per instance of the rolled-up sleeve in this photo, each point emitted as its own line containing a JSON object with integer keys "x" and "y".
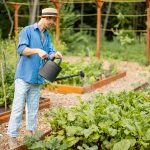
{"x": 23, "y": 41}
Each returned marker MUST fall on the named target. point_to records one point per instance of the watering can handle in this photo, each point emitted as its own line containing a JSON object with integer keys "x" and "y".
{"x": 59, "y": 60}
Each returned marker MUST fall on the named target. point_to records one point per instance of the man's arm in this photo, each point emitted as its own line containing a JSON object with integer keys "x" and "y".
{"x": 31, "y": 51}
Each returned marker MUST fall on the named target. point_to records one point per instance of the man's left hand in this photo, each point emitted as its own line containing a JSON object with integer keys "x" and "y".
{"x": 58, "y": 55}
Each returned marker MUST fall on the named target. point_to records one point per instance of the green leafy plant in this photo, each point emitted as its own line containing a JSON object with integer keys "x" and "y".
{"x": 9, "y": 86}
{"x": 8, "y": 57}
{"x": 93, "y": 70}
{"x": 112, "y": 121}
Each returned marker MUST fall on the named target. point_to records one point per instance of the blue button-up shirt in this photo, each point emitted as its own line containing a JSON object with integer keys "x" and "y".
{"x": 28, "y": 66}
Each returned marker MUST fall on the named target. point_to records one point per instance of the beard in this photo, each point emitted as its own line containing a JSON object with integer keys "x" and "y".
{"x": 50, "y": 26}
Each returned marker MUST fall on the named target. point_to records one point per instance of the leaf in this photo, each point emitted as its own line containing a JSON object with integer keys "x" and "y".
{"x": 80, "y": 148}
{"x": 72, "y": 130}
{"x": 93, "y": 148}
{"x": 122, "y": 145}
{"x": 71, "y": 116}
{"x": 90, "y": 130}
{"x": 147, "y": 135}
{"x": 132, "y": 142}
{"x": 70, "y": 141}
{"x": 112, "y": 131}
{"x": 37, "y": 146}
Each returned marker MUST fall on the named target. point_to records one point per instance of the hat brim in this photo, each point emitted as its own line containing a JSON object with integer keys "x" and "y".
{"x": 49, "y": 16}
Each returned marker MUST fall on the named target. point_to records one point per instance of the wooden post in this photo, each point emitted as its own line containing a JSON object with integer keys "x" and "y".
{"x": 16, "y": 7}
{"x": 3, "y": 86}
{"x": 99, "y": 4}
{"x": 58, "y": 7}
{"x": 148, "y": 33}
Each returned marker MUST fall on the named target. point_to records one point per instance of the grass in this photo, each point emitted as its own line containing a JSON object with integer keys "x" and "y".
{"x": 134, "y": 52}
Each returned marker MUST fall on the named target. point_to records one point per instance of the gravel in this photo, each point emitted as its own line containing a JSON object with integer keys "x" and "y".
{"x": 136, "y": 75}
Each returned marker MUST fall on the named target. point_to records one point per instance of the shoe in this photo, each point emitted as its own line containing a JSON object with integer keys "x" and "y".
{"x": 13, "y": 143}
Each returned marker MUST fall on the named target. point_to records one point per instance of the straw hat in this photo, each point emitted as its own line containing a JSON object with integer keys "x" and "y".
{"x": 49, "y": 12}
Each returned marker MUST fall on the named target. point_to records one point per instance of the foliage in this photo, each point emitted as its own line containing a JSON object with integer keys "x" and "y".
{"x": 93, "y": 71}
{"x": 9, "y": 86}
{"x": 8, "y": 57}
{"x": 131, "y": 52}
{"x": 29, "y": 140}
{"x": 112, "y": 121}
{"x": 122, "y": 36}
{"x": 79, "y": 43}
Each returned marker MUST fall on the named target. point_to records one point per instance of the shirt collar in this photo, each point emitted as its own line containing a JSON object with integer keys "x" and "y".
{"x": 35, "y": 26}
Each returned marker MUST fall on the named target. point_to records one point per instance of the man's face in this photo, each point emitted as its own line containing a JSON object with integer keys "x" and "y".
{"x": 50, "y": 21}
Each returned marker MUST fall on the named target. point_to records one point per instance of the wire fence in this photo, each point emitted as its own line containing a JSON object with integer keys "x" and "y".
{"x": 91, "y": 15}
{"x": 83, "y": 2}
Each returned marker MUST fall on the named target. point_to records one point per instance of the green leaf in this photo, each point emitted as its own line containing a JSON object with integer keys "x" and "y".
{"x": 93, "y": 148}
{"x": 80, "y": 148}
{"x": 112, "y": 131}
{"x": 147, "y": 135}
{"x": 71, "y": 116}
{"x": 90, "y": 130}
{"x": 38, "y": 146}
{"x": 72, "y": 130}
{"x": 122, "y": 145}
{"x": 70, "y": 141}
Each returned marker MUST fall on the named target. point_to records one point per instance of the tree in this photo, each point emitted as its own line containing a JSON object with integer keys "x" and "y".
{"x": 33, "y": 7}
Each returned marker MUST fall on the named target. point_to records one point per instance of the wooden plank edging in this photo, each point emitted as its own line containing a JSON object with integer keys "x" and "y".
{"x": 142, "y": 86}
{"x": 4, "y": 117}
{"x": 60, "y": 88}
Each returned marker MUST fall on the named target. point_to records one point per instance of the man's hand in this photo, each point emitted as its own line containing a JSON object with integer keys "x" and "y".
{"x": 56, "y": 55}
{"x": 42, "y": 53}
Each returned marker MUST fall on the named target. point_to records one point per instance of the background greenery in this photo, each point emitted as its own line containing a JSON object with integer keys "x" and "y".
{"x": 119, "y": 45}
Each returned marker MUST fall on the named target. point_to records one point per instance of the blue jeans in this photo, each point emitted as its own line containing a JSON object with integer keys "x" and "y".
{"x": 31, "y": 93}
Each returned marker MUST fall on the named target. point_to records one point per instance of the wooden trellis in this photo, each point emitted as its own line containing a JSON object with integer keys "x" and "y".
{"x": 99, "y": 4}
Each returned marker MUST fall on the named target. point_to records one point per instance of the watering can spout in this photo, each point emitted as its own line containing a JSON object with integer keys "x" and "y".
{"x": 81, "y": 74}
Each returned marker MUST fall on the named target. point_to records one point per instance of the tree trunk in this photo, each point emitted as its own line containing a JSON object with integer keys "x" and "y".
{"x": 33, "y": 9}
{"x": 10, "y": 18}
{"x": 107, "y": 16}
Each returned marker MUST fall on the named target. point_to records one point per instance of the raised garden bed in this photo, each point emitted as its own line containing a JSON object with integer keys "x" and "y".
{"x": 44, "y": 103}
{"x": 85, "y": 89}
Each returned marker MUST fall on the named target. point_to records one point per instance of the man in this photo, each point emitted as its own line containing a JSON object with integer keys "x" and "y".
{"x": 34, "y": 46}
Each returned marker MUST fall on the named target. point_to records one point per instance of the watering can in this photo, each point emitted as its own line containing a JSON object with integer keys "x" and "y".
{"x": 51, "y": 69}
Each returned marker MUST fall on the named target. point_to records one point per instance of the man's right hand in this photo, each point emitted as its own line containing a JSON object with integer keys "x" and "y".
{"x": 42, "y": 53}
{"x": 31, "y": 51}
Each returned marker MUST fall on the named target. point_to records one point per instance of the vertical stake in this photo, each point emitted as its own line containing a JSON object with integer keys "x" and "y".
{"x": 148, "y": 33}
{"x": 99, "y": 4}
{"x": 16, "y": 7}
{"x": 58, "y": 7}
{"x": 3, "y": 85}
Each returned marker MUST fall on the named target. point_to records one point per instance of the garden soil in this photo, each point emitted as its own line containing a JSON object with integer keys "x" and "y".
{"x": 135, "y": 75}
